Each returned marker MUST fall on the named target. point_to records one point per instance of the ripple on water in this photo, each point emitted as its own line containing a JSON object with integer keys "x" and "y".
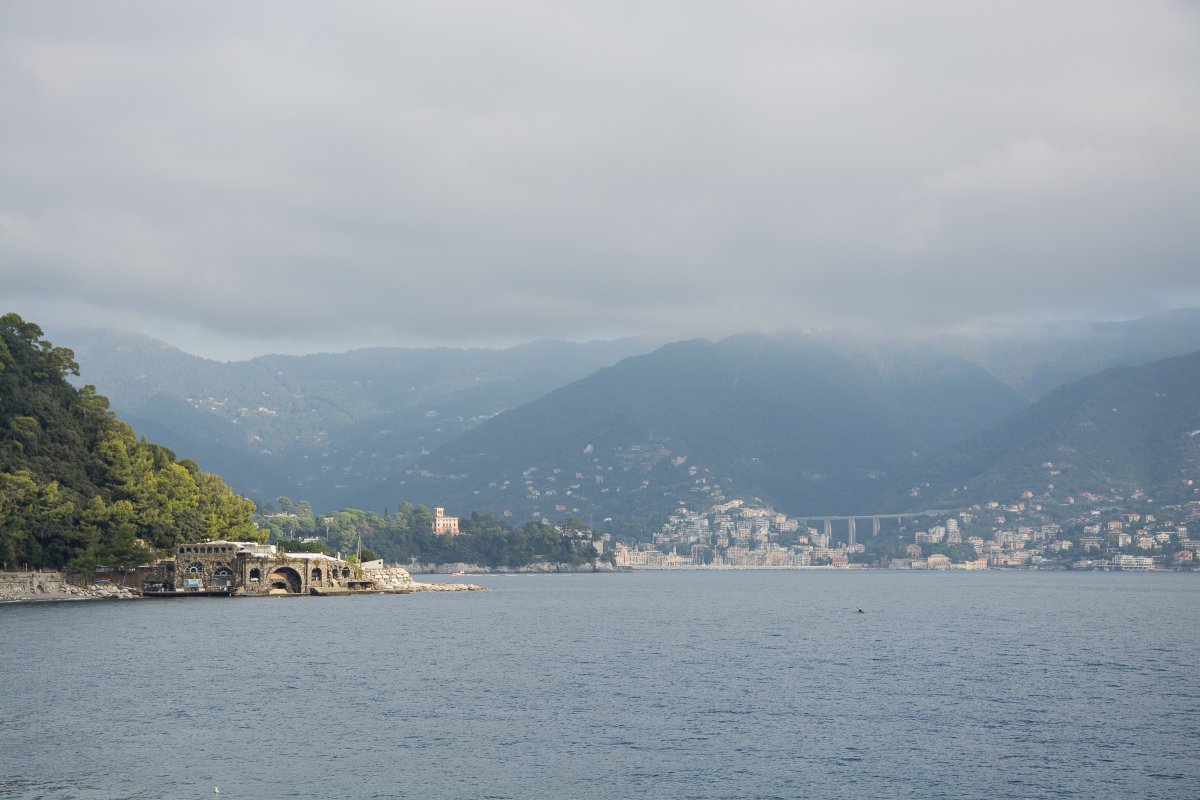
{"x": 746, "y": 685}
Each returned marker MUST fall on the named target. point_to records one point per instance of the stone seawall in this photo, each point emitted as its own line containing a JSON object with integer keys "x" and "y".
{"x": 33, "y": 586}
{"x": 55, "y": 586}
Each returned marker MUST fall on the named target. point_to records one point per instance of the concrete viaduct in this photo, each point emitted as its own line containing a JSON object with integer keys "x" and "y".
{"x": 852, "y": 521}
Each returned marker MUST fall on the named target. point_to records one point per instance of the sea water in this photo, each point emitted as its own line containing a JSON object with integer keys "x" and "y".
{"x": 747, "y": 684}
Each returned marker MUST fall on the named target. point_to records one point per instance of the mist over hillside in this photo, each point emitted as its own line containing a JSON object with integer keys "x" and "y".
{"x": 1037, "y": 360}
{"x": 813, "y": 423}
{"x": 321, "y": 426}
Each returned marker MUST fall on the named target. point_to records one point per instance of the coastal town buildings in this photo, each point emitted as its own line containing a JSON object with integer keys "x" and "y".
{"x": 1096, "y": 533}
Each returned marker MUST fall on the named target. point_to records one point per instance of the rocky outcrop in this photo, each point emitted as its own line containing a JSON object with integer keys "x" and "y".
{"x": 536, "y": 567}
{"x": 392, "y": 578}
{"x": 34, "y": 586}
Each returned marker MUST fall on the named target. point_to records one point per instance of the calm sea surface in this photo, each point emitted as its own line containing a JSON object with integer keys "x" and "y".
{"x": 654, "y": 685}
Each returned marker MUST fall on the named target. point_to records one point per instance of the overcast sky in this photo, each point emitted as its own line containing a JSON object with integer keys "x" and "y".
{"x": 248, "y": 177}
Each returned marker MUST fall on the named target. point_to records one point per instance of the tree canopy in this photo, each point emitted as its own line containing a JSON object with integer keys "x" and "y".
{"x": 407, "y": 534}
{"x": 77, "y": 486}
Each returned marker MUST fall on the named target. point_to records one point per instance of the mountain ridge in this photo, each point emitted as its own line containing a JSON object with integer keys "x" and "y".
{"x": 314, "y": 425}
{"x": 1125, "y": 431}
{"x": 787, "y": 418}
{"x": 357, "y": 429}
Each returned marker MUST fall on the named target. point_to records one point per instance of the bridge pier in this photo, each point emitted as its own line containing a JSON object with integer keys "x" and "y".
{"x": 876, "y": 522}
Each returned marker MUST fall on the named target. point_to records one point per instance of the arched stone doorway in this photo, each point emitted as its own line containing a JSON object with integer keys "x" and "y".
{"x": 222, "y": 577}
{"x": 287, "y": 579}
{"x": 316, "y": 575}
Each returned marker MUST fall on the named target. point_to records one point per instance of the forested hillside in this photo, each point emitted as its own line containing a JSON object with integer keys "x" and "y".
{"x": 77, "y": 487}
{"x": 322, "y": 426}
{"x": 1126, "y": 432}
{"x": 406, "y": 535}
{"x": 788, "y": 419}
{"x": 812, "y": 424}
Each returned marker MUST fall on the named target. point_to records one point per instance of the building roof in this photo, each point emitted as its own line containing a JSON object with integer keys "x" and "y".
{"x": 313, "y": 557}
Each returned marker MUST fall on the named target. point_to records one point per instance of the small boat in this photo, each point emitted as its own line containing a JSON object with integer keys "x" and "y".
{"x": 457, "y": 573}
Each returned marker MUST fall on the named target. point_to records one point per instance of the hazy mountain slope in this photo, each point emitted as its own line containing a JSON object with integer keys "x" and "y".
{"x": 1125, "y": 431}
{"x": 782, "y": 417}
{"x": 936, "y": 395}
{"x": 1039, "y": 359}
{"x": 322, "y": 426}
{"x": 342, "y": 429}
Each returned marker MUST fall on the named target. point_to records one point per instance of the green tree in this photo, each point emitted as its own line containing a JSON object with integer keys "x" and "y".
{"x": 77, "y": 486}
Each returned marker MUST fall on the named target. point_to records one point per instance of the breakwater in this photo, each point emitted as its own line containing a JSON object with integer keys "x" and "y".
{"x": 55, "y": 586}
{"x": 537, "y": 567}
{"x": 397, "y": 579}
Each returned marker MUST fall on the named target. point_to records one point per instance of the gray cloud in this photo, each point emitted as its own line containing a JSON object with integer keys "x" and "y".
{"x": 297, "y": 176}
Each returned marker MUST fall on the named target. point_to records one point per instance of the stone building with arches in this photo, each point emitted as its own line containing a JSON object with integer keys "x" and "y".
{"x": 248, "y": 568}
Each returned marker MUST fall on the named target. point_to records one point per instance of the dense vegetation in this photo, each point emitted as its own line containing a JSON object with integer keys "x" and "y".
{"x": 77, "y": 487}
{"x": 407, "y": 535}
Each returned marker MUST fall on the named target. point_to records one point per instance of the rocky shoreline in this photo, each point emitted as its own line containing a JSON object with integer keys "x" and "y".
{"x": 537, "y": 568}
{"x": 27, "y": 587}
{"x": 50, "y": 587}
{"x": 40, "y": 587}
{"x": 399, "y": 580}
